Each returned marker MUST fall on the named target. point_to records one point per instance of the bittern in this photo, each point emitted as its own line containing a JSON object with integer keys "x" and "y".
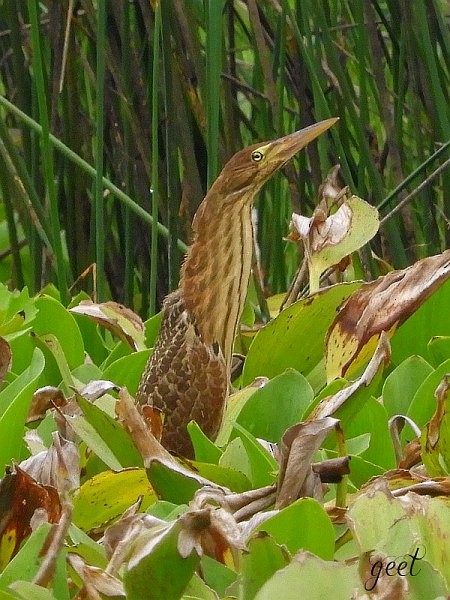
{"x": 188, "y": 374}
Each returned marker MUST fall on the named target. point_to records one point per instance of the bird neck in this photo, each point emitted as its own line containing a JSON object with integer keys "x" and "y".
{"x": 215, "y": 274}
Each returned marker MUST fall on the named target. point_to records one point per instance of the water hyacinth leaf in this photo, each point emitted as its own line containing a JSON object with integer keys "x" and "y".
{"x": 381, "y": 305}
{"x": 329, "y": 239}
{"x": 403, "y": 382}
{"x": 304, "y": 524}
{"x": 54, "y": 318}
{"x": 104, "y": 497}
{"x": 204, "y": 449}
{"x": 156, "y": 568}
{"x": 111, "y": 432}
{"x": 127, "y": 370}
{"x": 423, "y": 404}
{"x": 429, "y": 321}
{"x": 17, "y": 310}
{"x": 439, "y": 349}
{"x": 223, "y": 476}
{"x": 435, "y": 438}
{"x": 15, "y": 401}
{"x": 276, "y": 406}
{"x": 234, "y": 405}
{"x": 118, "y": 319}
{"x": 26, "y": 590}
{"x": 261, "y": 560}
{"x": 310, "y": 577}
{"x": 295, "y": 338}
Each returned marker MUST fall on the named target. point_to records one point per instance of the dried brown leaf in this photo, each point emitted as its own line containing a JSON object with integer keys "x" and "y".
{"x": 43, "y": 399}
{"x": 5, "y": 358}
{"x": 298, "y": 446}
{"x": 382, "y": 305}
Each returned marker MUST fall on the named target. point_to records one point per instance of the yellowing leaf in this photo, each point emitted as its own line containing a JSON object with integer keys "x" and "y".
{"x": 380, "y": 305}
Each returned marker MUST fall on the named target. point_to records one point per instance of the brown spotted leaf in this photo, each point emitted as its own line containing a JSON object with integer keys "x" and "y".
{"x": 381, "y": 305}
{"x": 20, "y": 497}
{"x": 119, "y": 319}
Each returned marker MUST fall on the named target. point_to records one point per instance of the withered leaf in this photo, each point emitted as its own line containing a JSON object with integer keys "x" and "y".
{"x": 43, "y": 399}
{"x": 20, "y": 497}
{"x": 298, "y": 446}
{"x": 381, "y": 305}
{"x": 119, "y": 319}
{"x": 5, "y": 358}
{"x": 59, "y": 466}
{"x": 435, "y": 438}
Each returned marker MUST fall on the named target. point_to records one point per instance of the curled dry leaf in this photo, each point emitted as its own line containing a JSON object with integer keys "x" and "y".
{"x": 97, "y": 388}
{"x": 380, "y": 305}
{"x": 5, "y": 358}
{"x": 97, "y": 581}
{"x": 43, "y": 399}
{"x": 20, "y": 497}
{"x": 59, "y": 466}
{"x": 328, "y": 239}
{"x": 119, "y": 319}
{"x": 435, "y": 438}
{"x": 298, "y": 446}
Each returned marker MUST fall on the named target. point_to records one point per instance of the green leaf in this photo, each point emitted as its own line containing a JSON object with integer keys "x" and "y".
{"x": 127, "y": 371}
{"x": 15, "y": 402}
{"x": 171, "y": 485}
{"x": 111, "y": 433}
{"x": 26, "y": 563}
{"x": 304, "y": 524}
{"x": 55, "y": 319}
{"x": 312, "y": 578}
{"x": 430, "y": 320}
{"x": 205, "y": 450}
{"x": 423, "y": 404}
{"x": 276, "y": 406}
{"x": 225, "y": 476}
{"x": 402, "y": 384}
{"x": 295, "y": 339}
{"x": 28, "y": 590}
{"x": 157, "y": 570}
{"x": 439, "y": 349}
{"x": 104, "y": 497}
{"x": 263, "y": 558}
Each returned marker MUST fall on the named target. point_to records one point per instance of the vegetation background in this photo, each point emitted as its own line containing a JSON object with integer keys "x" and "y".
{"x": 115, "y": 117}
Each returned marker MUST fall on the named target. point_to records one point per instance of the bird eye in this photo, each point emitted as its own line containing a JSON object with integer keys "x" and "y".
{"x": 257, "y": 155}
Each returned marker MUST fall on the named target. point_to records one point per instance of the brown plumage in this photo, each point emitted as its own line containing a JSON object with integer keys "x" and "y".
{"x": 188, "y": 374}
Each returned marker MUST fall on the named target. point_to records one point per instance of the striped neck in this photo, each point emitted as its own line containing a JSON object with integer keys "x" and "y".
{"x": 215, "y": 275}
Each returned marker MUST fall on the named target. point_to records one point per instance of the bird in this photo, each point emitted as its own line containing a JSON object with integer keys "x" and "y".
{"x": 187, "y": 376}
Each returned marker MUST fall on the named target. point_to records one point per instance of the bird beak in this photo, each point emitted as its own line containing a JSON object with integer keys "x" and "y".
{"x": 284, "y": 148}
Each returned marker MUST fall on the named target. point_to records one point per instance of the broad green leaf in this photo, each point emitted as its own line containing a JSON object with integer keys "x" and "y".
{"x": 276, "y": 406}
{"x": 218, "y": 576}
{"x": 312, "y": 578}
{"x": 111, "y": 433}
{"x": 224, "y": 476}
{"x": 197, "y": 589}
{"x": 401, "y": 385}
{"x": 204, "y": 449}
{"x": 439, "y": 349}
{"x": 28, "y": 590}
{"x": 17, "y": 310}
{"x": 171, "y": 485}
{"x": 372, "y": 418}
{"x": 89, "y": 550}
{"x": 233, "y": 407}
{"x": 263, "y": 558}
{"x": 157, "y": 570}
{"x": 261, "y": 464}
{"x": 296, "y": 338}
{"x": 55, "y": 319}
{"x": 15, "y": 402}
{"x": 127, "y": 371}
{"x": 423, "y": 404}
{"x": 151, "y": 328}
{"x": 26, "y": 563}
{"x": 104, "y": 497}
{"x": 304, "y": 524}
{"x": 429, "y": 320}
